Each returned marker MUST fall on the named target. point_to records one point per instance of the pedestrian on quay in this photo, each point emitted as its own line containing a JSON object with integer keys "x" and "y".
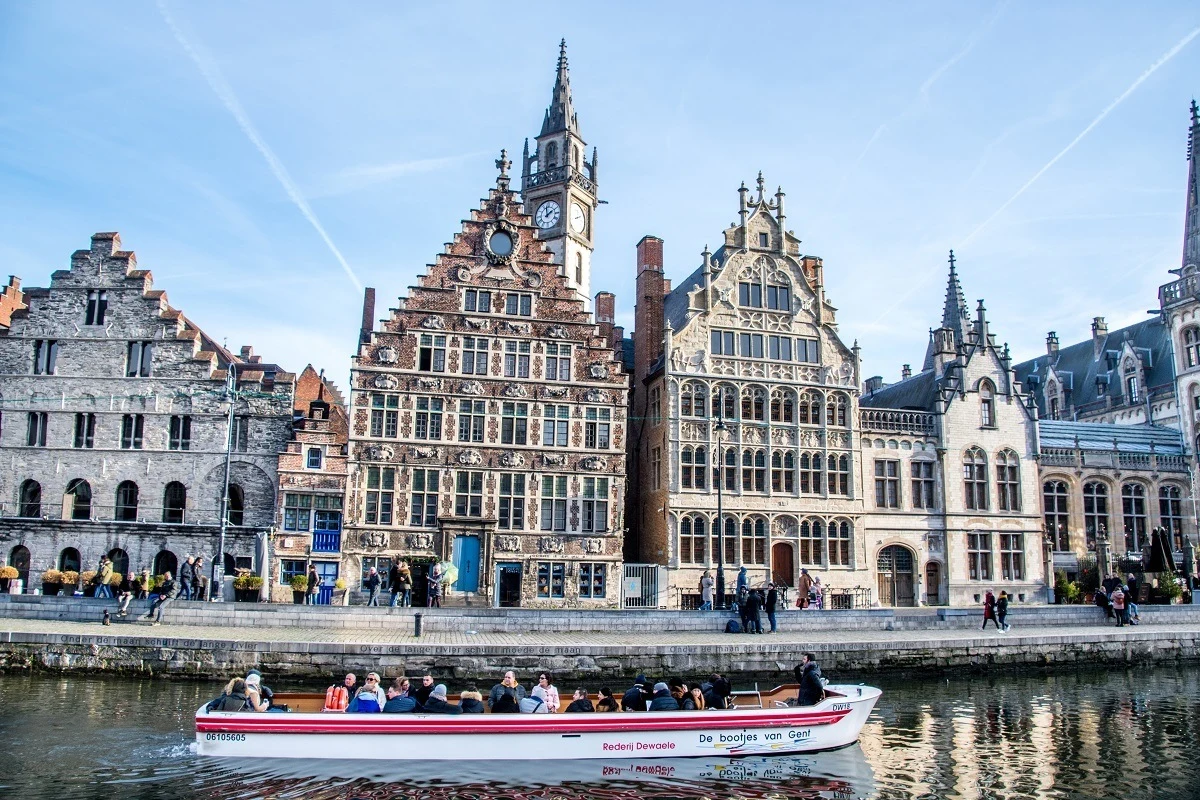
{"x": 104, "y": 578}
{"x": 706, "y": 592}
{"x": 168, "y": 590}
{"x": 199, "y": 580}
{"x": 406, "y": 585}
{"x": 187, "y": 573}
{"x": 125, "y": 594}
{"x": 434, "y": 579}
{"x": 1002, "y": 611}
{"x": 989, "y": 610}
{"x": 394, "y": 582}
{"x": 769, "y": 605}
{"x": 1118, "y": 604}
{"x": 818, "y": 594}
{"x": 144, "y": 584}
{"x": 743, "y": 581}
{"x": 753, "y": 604}
{"x": 806, "y": 585}
{"x": 1102, "y": 600}
{"x": 373, "y": 583}
{"x": 314, "y": 584}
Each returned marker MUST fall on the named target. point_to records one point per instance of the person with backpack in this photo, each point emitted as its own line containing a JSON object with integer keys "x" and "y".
{"x": 314, "y": 585}
{"x": 1002, "y": 611}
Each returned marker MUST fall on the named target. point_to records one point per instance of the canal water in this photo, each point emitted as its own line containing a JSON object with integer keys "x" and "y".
{"x": 1093, "y": 735}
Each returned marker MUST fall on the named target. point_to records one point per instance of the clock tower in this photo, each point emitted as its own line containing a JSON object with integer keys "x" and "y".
{"x": 558, "y": 186}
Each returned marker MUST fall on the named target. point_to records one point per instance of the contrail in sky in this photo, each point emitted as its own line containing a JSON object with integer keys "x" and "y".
{"x": 212, "y": 73}
{"x": 1099, "y": 118}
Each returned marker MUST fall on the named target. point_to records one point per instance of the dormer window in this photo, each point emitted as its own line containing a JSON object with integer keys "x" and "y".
{"x": 1131, "y": 388}
{"x": 1191, "y": 346}
{"x": 987, "y": 405}
{"x": 764, "y": 240}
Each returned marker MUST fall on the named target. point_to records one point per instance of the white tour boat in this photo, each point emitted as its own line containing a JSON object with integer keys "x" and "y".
{"x": 767, "y": 727}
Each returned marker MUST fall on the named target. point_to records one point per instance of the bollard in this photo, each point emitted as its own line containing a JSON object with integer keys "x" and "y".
{"x": 417, "y": 624}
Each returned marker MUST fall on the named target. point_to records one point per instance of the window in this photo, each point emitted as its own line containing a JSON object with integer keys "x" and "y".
{"x": 1170, "y": 513}
{"x": 783, "y": 472}
{"x": 429, "y": 418}
{"x": 729, "y": 555}
{"x": 692, "y": 532}
{"x": 754, "y": 401}
{"x": 132, "y": 426}
{"x": 471, "y": 418}
{"x": 578, "y": 256}
{"x": 69, "y": 559}
{"x": 181, "y": 433}
{"x": 975, "y": 479}
{"x": 35, "y": 429}
{"x": 1191, "y": 346}
{"x": 235, "y": 504}
{"x": 1055, "y": 412}
{"x": 692, "y": 400}
{"x": 840, "y": 537}
{"x": 97, "y": 305}
{"x": 1008, "y": 480}
{"x": 45, "y": 356}
{"x": 1012, "y": 556}
{"x": 723, "y": 402}
{"x": 806, "y": 350}
{"x": 297, "y": 512}
{"x": 835, "y": 411}
{"x": 512, "y": 502}
{"x": 31, "y": 499}
{"x": 750, "y": 294}
{"x": 779, "y": 348}
{"x": 514, "y": 423}
{"x": 431, "y": 355}
{"x": 1054, "y": 409}
{"x": 750, "y": 345}
{"x": 518, "y": 305}
{"x": 1133, "y": 506}
{"x": 1054, "y": 509}
{"x": 291, "y": 568}
{"x": 555, "y": 421}
{"x": 764, "y": 240}
{"x": 839, "y": 475}
{"x": 809, "y": 408}
{"x": 382, "y": 566}
{"x": 550, "y": 580}
{"x": 327, "y": 516}
{"x": 655, "y": 405}
{"x": 730, "y": 459}
{"x": 722, "y": 343}
{"x": 552, "y": 155}
{"x": 139, "y": 357}
{"x": 85, "y": 430}
{"x": 754, "y": 541}
{"x": 477, "y": 300}
{"x": 655, "y": 468}
{"x": 979, "y": 555}
{"x": 79, "y": 497}
{"x": 595, "y": 505}
{"x": 1095, "y": 511}
{"x": 424, "y": 498}
{"x": 381, "y": 490}
{"x": 596, "y": 428}
{"x": 475, "y": 355}
{"x": 693, "y": 467}
{"x": 593, "y": 580}
{"x": 923, "y": 485}
{"x": 812, "y": 542}
{"x": 174, "y": 502}
{"x": 468, "y": 494}
{"x": 887, "y": 484}
{"x": 127, "y": 502}
{"x": 385, "y": 415}
{"x": 754, "y": 471}
{"x": 554, "y": 502}
{"x": 810, "y": 473}
{"x": 558, "y": 362}
{"x": 987, "y": 405}
{"x": 313, "y": 458}
{"x": 1131, "y": 383}
{"x": 516, "y": 359}
{"x": 779, "y": 298}
{"x": 241, "y": 434}
{"x": 783, "y": 407}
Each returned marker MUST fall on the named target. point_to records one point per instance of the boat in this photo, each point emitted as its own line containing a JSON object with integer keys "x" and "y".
{"x": 760, "y": 723}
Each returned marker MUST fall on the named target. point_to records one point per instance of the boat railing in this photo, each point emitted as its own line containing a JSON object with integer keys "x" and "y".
{"x": 748, "y": 693}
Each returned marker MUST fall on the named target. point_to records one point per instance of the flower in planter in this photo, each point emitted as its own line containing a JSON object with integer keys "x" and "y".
{"x": 339, "y": 584}
{"x": 248, "y": 582}
{"x": 9, "y": 573}
{"x": 70, "y": 577}
{"x": 299, "y": 583}
{"x": 52, "y": 576}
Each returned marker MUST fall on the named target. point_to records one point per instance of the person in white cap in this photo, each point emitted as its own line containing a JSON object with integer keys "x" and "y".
{"x": 254, "y": 694}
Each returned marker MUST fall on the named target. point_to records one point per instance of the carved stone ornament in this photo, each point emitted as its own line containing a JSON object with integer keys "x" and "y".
{"x": 424, "y": 452}
{"x": 470, "y": 387}
{"x": 595, "y": 396}
{"x": 508, "y": 544}
{"x": 554, "y": 459}
{"x": 475, "y": 324}
{"x": 379, "y": 452}
{"x": 510, "y": 459}
{"x": 593, "y": 463}
{"x": 387, "y": 355}
{"x": 462, "y": 274}
{"x": 592, "y": 546}
{"x": 419, "y": 541}
{"x": 556, "y": 391}
{"x": 515, "y": 390}
{"x": 556, "y": 332}
{"x": 433, "y": 323}
{"x": 427, "y": 383}
{"x": 470, "y": 457}
{"x": 533, "y": 280}
{"x": 500, "y": 242}
{"x": 385, "y": 382}
{"x": 514, "y": 327}
{"x": 374, "y": 539}
{"x": 598, "y": 370}
{"x": 550, "y": 544}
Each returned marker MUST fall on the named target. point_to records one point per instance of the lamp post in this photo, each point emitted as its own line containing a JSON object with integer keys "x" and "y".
{"x": 218, "y": 565}
{"x": 720, "y": 472}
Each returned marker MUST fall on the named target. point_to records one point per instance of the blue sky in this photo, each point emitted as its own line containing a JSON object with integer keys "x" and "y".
{"x": 262, "y": 157}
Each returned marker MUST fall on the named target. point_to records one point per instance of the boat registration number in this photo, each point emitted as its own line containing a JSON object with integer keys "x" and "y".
{"x": 226, "y": 737}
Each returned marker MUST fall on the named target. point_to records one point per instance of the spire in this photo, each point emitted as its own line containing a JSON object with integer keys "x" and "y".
{"x": 956, "y": 317}
{"x": 560, "y": 116}
{"x": 1191, "y": 233}
{"x": 502, "y": 164}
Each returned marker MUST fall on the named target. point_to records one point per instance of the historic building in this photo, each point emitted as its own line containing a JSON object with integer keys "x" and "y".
{"x": 116, "y": 412}
{"x": 312, "y": 487}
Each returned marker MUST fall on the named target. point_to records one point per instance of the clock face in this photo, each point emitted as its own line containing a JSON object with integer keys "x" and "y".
{"x": 578, "y": 218}
{"x": 547, "y": 215}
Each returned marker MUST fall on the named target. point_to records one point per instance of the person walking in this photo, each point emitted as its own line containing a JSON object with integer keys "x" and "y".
{"x": 373, "y": 583}
{"x": 187, "y": 574}
{"x": 199, "y": 580}
{"x": 989, "y": 610}
{"x": 770, "y": 604}
{"x": 805, "y": 587}
{"x": 104, "y": 577}
{"x": 314, "y": 584}
{"x": 394, "y": 582}
{"x": 406, "y": 585}
{"x": 1002, "y": 611}
{"x": 168, "y": 590}
{"x": 434, "y": 579}
{"x": 1118, "y": 605}
{"x": 706, "y": 592}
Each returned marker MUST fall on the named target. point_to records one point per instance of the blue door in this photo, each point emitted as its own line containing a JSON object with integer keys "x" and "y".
{"x": 328, "y": 570}
{"x": 466, "y": 558}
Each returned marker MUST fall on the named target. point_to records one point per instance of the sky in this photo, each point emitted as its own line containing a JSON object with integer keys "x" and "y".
{"x": 267, "y": 160}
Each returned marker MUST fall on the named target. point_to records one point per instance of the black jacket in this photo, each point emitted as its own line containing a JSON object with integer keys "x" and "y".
{"x": 421, "y": 693}
{"x": 471, "y": 705}
{"x": 394, "y": 578}
{"x": 373, "y": 582}
{"x": 436, "y": 705}
{"x": 580, "y": 705}
{"x": 635, "y": 699}
{"x": 608, "y": 704}
{"x": 753, "y": 604}
{"x": 811, "y": 690}
{"x": 168, "y": 589}
{"x": 314, "y": 580}
{"x": 664, "y": 702}
{"x": 772, "y": 601}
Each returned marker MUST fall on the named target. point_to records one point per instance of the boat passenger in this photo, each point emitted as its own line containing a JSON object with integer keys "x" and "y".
{"x": 506, "y": 696}
{"x": 436, "y": 704}
{"x": 471, "y": 701}
{"x": 535, "y": 703}
{"x": 233, "y": 698}
{"x": 717, "y": 691}
{"x": 263, "y": 689}
{"x": 422, "y": 692}
{"x": 546, "y": 683}
{"x": 405, "y": 687}
{"x": 397, "y": 701}
{"x": 254, "y": 698}
{"x": 370, "y": 698}
{"x": 696, "y": 697}
{"x": 808, "y": 673}
{"x": 683, "y": 696}
{"x": 607, "y": 702}
{"x": 580, "y": 702}
{"x": 636, "y": 697}
{"x": 662, "y": 699}
{"x": 350, "y": 684}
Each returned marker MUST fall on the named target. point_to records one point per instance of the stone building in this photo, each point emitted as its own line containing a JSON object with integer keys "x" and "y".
{"x": 312, "y": 487}
{"x": 116, "y": 413}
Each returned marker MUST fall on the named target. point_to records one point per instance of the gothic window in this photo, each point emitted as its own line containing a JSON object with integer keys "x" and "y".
{"x": 471, "y": 418}
{"x": 431, "y": 355}
{"x": 979, "y": 555}
{"x": 1054, "y": 506}
{"x": 729, "y": 555}
{"x": 812, "y": 543}
{"x": 723, "y": 401}
{"x": 31, "y": 499}
{"x": 1054, "y": 409}
{"x": 552, "y": 155}
{"x": 468, "y": 494}
{"x": 429, "y": 418}
{"x": 1008, "y": 480}
{"x": 45, "y": 356}
{"x": 1191, "y": 346}
{"x": 809, "y": 408}
{"x": 1132, "y": 393}
{"x": 79, "y": 498}
{"x": 923, "y": 495}
{"x": 85, "y": 430}
{"x": 1095, "y": 511}
{"x": 754, "y": 470}
{"x": 139, "y": 359}
{"x": 754, "y": 540}
{"x": 730, "y": 459}
{"x": 839, "y": 475}
{"x": 425, "y": 485}
{"x": 841, "y": 536}
{"x": 575, "y": 155}
{"x": 783, "y": 406}
{"x": 475, "y": 355}
{"x": 37, "y": 424}
{"x": 237, "y": 504}
{"x": 987, "y": 404}
{"x": 835, "y": 410}
{"x": 1133, "y": 508}
{"x": 174, "y": 502}
{"x": 514, "y": 423}
{"x": 975, "y": 479}
{"x": 783, "y": 472}
{"x": 693, "y": 400}
{"x": 694, "y": 467}
{"x": 692, "y": 533}
{"x": 180, "y": 437}
{"x": 1012, "y": 556}
{"x": 754, "y": 404}
{"x": 887, "y": 483}
{"x": 810, "y": 473}
{"x": 1170, "y": 514}
{"x": 512, "y": 502}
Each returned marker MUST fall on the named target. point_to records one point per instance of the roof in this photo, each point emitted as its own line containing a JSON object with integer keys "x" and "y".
{"x": 1110, "y": 436}
{"x": 677, "y": 302}
{"x": 916, "y": 393}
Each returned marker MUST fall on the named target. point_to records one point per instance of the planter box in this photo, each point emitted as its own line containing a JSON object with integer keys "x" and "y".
{"x": 298, "y": 597}
{"x": 50, "y": 589}
{"x": 246, "y": 595}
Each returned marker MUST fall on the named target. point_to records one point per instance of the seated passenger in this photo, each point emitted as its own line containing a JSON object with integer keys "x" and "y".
{"x": 716, "y": 691}
{"x": 580, "y": 702}
{"x": 505, "y": 695}
{"x": 662, "y": 699}
{"x": 697, "y": 699}
{"x": 682, "y": 696}
{"x": 254, "y": 698}
{"x": 535, "y": 703}
{"x": 370, "y": 698}
{"x": 812, "y": 691}
{"x": 422, "y": 692}
{"x": 263, "y": 689}
{"x": 233, "y": 698}
{"x": 397, "y": 701}
{"x": 471, "y": 701}
{"x": 636, "y": 697}
{"x": 436, "y": 704}
{"x": 607, "y": 702}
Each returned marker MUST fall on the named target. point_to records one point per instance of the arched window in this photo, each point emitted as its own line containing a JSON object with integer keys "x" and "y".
{"x": 18, "y": 559}
{"x": 724, "y": 401}
{"x": 1053, "y": 408}
{"x": 810, "y": 473}
{"x": 975, "y": 479}
{"x": 236, "y": 504}
{"x": 693, "y": 400}
{"x": 31, "y": 499}
{"x": 753, "y": 404}
{"x": 783, "y": 406}
{"x": 69, "y": 559}
{"x": 783, "y": 472}
{"x": 812, "y": 542}
{"x": 1133, "y": 508}
{"x": 841, "y": 538}
{"x": 1170, "y": 513}
{"x": 835, "y": 411}
{"x": 77, "y": 501}
{"x": 730, "y": 469}
{"x": 552, "y": 155}
{"x": 987, "y": 404}
{"x": 839, "y": 475}
{"x": 575, "y": 155}
{"x": 1095, "y": 512}
{"x": 1191, "y": 346}
{"x": 120, "y": 560}
{"x": 754, "y": 470}
{"x": 127, "y": 502}
{"x": 808, "y": 410}
{"x": 578, "y": 269}
{"x": 164, "y": 562}
{"x": 1054, "y": 505}
{"x": 174, "y": 502}
{"x": 1132, "y": 390}
{"x": 692, "y": 534}
{"x": 1008, "y": 480}
{"x": 754, "y": 540}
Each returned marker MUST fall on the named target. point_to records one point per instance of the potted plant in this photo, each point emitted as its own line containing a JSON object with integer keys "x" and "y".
{"x": 114, "y": 583}
{"x": 341, "y": 597}
{"x": 299, "y": 589}
{"x": 51, "y": 582}
{"x": 246, "y": 588}
{"x": 70, "y": 581}
{"x": 1170, "y": 588}
{"x": 7, "y": 576}
{"x": 88, "y": 577}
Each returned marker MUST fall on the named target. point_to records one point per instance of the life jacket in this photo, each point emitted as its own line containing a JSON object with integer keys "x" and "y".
{"x": 336, "y": 698}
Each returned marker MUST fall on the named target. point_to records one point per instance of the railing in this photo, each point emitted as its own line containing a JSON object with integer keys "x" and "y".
{"x": 1134, "y": 460}
{"x": 920, "y": 423}
{"x": 1112, "y": 459}
{"x": 327, "y": 541}
{"x": 1178, "y": 290}
{"x": 1058, "y": 456}
{"x": 558, "y": 175}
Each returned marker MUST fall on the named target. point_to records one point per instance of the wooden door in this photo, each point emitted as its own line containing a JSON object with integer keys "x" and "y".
{"x": 783, "y": 568}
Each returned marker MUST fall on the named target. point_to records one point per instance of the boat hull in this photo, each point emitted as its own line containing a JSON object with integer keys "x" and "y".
{"x": 834, "y": 723}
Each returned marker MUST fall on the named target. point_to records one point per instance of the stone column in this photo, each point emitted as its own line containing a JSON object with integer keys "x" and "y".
{"x": 1048, "y": 560}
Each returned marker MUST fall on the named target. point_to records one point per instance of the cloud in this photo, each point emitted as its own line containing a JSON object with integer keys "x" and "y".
{"x": 216, "y": 81}
{"x": 353, "y": 179}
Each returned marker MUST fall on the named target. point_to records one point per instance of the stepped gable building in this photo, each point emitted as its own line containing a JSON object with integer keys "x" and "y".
{"x": 488, "y": 424}
{"x": 116, "y": 424}
{"x": 312, "y": 486}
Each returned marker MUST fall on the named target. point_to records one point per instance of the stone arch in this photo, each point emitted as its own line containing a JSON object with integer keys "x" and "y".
{"x": 896, "y": 575}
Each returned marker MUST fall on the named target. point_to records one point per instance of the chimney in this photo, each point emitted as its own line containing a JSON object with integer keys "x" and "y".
{"x": 247, "y": 353}
{"x": 606, "y": 304}
{"x": 1052, "y": 344}
{"x": 1099, "y": 335}
{"x": 906, "y": 372}
{"x": 368, "y": 316}
{"x": 618, "y": 342}
{"x": 873, "y": 384}
{"x": 648, "y": 313}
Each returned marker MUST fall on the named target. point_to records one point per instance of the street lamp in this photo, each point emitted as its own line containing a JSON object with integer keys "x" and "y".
{"x": 720, "y": 462}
